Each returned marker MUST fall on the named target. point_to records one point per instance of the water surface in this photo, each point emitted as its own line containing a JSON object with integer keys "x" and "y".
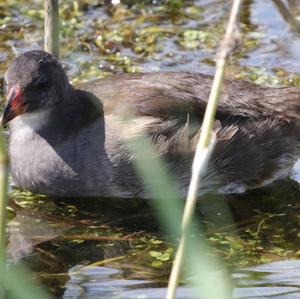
{"x": 110, "y": 248}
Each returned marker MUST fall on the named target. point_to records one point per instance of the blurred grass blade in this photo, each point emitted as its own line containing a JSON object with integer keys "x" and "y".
{"x": 209, "y": 278}
{"x": 20, "y": 286}
{"x": 169, "y": 204}
{"x": 162, "y": 186}
{"x": 3, "y": 203}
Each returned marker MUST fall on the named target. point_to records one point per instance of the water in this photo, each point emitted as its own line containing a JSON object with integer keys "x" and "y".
{"x": 104, "y": 248}
{"x": 276, "y": 280}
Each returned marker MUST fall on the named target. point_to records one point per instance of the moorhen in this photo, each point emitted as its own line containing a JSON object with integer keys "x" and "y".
{"x": 67, "y": 141}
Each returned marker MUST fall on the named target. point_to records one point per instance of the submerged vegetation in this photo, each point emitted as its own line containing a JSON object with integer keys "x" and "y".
{"x": 126, "y": 235}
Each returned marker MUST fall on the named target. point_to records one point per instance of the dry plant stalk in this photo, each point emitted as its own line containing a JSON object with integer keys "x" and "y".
{"x": 287, "y": 15}
{"x": 51, "y": 35}
{"x": 204, "y": 146}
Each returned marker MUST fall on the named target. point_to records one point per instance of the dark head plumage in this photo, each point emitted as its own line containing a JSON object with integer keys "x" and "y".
{"x": 36, "y": 81}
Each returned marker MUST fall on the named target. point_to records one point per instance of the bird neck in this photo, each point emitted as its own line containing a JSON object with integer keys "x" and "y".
{"x": 34, "y": 120}
{"x": 66, "y": 119}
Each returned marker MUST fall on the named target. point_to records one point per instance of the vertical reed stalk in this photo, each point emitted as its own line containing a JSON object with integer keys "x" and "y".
{"x": 51, "y": 40}
{"x": 3, "y": 203}
{"x": 287, "y": 15}
{"x": 199, "y": 163}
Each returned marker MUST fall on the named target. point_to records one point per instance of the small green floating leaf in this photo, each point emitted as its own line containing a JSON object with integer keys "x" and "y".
{"x": 155, "y": 254}
{"x": 156, "y": 242}
{"x": 192, "y": 39}
{"x": 156, "y": 264}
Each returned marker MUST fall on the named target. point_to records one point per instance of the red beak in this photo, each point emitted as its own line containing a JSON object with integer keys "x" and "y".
{"x": 14, "y": 105}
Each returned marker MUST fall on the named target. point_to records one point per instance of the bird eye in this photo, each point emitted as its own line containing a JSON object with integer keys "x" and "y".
{"x": 41, "y": 82}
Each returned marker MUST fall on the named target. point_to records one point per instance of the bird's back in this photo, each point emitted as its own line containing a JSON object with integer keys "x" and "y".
{"x": 257, "y": 127}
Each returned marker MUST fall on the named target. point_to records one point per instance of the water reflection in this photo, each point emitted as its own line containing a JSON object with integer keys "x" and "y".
{"x": 278, "y": 43}
{"x": 26, "y": 232}
{"x": 96, "y": 282}
{"x": 273, "y": 280}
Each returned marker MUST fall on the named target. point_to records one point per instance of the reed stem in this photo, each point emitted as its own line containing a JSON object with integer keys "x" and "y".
{"x": 51, "y": 41}
{"x": 202, "y": 151}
